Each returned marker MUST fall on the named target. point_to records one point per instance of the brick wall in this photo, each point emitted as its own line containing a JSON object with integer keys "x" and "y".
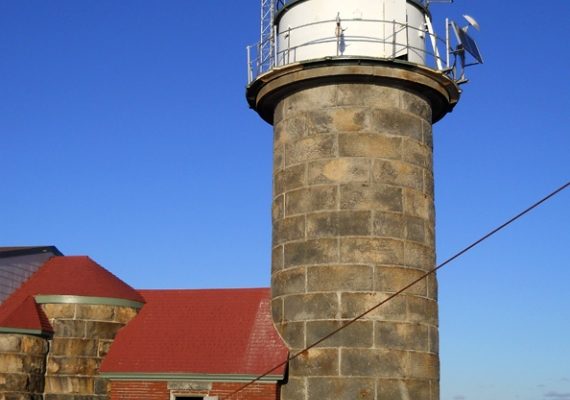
{"x": 137, "y": 390}
{"x": 261, "y": 391}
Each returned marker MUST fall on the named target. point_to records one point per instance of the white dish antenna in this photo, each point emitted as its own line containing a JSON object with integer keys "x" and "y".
{"x": 472, "y": 21}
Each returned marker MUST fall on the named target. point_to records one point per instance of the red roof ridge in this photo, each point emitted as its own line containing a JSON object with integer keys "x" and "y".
{"x": 70, "y": 276}
{"x": 81, "y": 276}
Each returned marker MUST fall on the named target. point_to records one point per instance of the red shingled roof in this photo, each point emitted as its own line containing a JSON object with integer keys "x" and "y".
{"x": 27, "y": 315}
{"x": 75, "y": 276}
{"x": 221, "y": 331}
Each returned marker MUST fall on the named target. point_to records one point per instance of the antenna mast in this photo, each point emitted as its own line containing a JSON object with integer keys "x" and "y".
{"x": 267, "y": 39}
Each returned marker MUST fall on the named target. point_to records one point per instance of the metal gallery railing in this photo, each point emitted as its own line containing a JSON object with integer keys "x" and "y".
{"x": 434, "y": 54}
{"x": 280, "y": 4}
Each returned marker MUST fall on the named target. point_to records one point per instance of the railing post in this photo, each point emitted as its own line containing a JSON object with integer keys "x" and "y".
{"x": 275, "y": 42}
{"x": 259, "y": 63}
{"x": 447, "y": 43}
{"x": 249, "y": 68}
{"x": 408, "y": 37}
{"x": 394, "y": 38}
{"x": 338, "y": 33}
{"x": 289, "y": 45}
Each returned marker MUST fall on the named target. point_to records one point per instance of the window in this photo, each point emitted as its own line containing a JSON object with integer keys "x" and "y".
{"x": 189, "y": 398}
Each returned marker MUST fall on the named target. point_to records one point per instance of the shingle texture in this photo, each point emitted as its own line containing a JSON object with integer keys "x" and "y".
{"x": 222, "y": 331}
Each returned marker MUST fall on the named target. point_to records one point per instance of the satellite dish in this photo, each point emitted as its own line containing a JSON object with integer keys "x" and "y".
{"x": 472, "y": 21}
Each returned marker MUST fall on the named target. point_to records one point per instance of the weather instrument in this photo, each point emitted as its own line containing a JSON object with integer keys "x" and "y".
{"x": 465, "y": 45}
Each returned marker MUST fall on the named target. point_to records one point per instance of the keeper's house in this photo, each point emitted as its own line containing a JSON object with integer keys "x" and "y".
{"x": 71, "y": 330}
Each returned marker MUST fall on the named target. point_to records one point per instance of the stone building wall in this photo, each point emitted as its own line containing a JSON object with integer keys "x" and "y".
{"x": 353, "y": 222}
{"x": 22, "y": 366}
{"x": 82, "y": 337}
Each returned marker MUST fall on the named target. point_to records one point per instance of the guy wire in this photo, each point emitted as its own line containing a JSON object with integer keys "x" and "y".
{"x": 392, "y": 296}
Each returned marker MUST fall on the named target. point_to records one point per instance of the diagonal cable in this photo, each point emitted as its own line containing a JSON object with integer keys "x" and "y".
{"x": 392, "y": 296}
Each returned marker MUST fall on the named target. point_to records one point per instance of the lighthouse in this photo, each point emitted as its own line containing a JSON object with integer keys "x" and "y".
{"x": 352, "y": 89}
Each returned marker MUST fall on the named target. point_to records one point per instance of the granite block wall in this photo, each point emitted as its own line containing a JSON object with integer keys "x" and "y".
{"x": 353, "y": 222}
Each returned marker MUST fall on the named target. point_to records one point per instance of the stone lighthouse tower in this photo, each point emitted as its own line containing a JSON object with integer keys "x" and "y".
{"x": 352, "y": 89}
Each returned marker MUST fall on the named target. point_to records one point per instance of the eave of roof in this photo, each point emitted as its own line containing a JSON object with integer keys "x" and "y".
{"x": 26, "y": 250}
{"x": 142, "y": 376}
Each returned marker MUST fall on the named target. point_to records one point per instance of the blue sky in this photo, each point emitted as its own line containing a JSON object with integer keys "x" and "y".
{"x": 125, "y": 136}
